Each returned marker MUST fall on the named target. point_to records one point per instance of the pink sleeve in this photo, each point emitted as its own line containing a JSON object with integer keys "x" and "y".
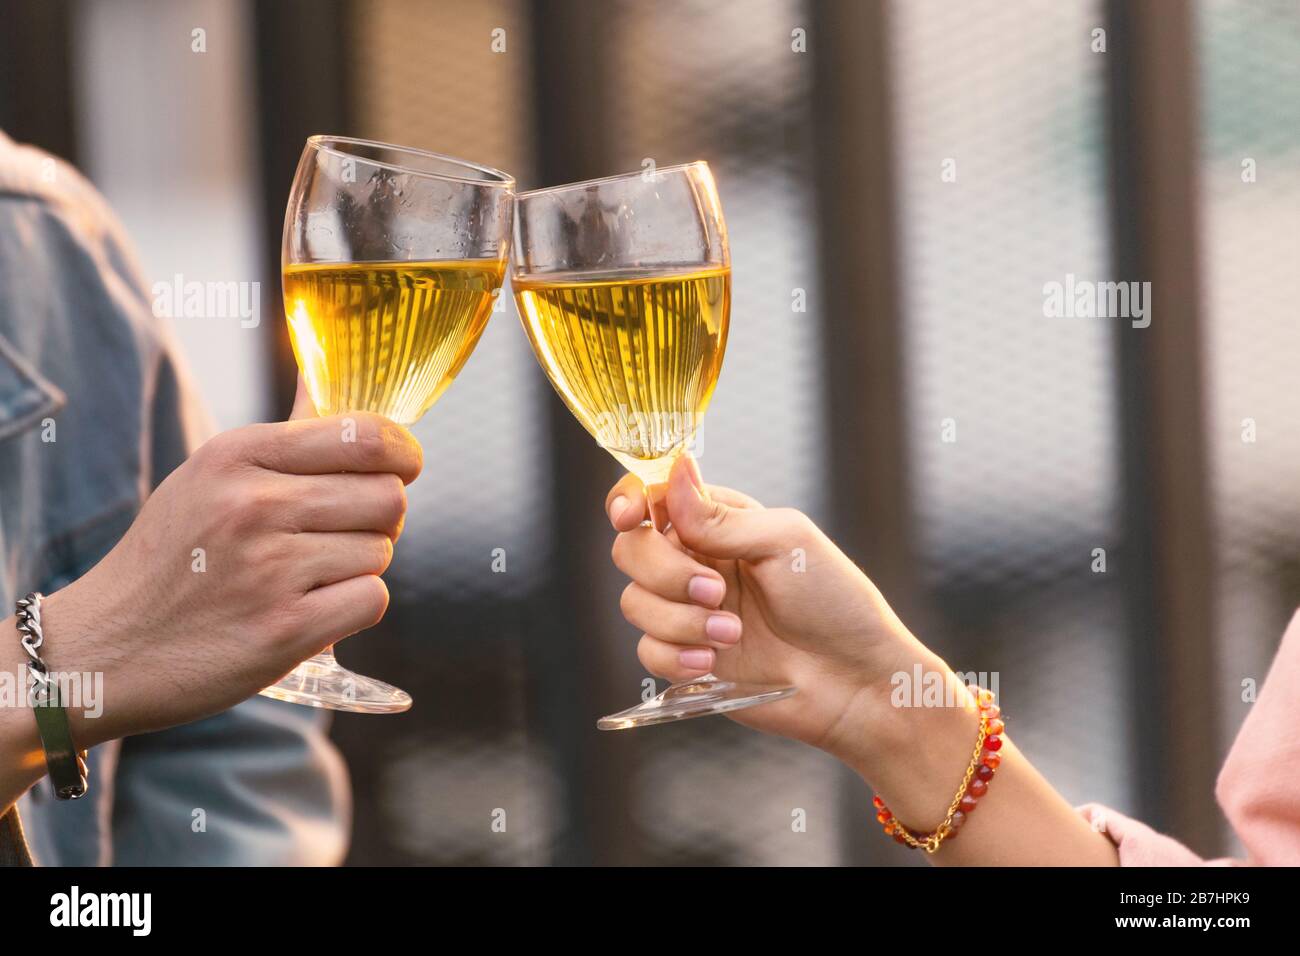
{"x": 1258, "y": 788}
{"x": 1137, "y": 843}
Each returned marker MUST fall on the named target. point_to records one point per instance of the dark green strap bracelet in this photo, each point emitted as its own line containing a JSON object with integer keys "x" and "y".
{"x": 67, "y": 764}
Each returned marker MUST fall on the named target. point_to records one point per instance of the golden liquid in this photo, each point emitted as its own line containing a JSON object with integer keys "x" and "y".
{"x": 635, "y": 358}
{"x": 386, "y": 337}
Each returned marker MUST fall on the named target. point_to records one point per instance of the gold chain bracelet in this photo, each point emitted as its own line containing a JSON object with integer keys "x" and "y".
{"x": 984, "y": 761}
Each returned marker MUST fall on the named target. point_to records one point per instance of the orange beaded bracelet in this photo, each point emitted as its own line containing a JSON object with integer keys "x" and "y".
{"x": 984, "y": 763}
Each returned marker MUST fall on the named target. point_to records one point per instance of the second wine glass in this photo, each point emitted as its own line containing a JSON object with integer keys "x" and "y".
{"x": 624, "y": 288}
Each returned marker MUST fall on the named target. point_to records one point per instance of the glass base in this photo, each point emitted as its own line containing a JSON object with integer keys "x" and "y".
{"x": 320, "y": 682}
{"x": 694, "y": 698}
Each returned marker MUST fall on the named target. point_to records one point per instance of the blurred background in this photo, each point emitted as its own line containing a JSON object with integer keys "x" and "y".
{"x": 1108, "y": 517}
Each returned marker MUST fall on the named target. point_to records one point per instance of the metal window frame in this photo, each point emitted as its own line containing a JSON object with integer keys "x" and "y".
{"x": 1167, "y": 561}
{"x": 303, "y": 87}
{"x": 589, "y": 668}
{"x": 37, "y": 89}
{"x": 862, "y": 317}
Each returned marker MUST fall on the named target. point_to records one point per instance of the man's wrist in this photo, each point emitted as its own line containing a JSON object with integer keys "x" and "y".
{"x": 69, "y": 653}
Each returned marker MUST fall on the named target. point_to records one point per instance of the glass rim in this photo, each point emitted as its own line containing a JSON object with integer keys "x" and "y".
{"x": 582, "y": 184}
{"x": 495, "y": 178}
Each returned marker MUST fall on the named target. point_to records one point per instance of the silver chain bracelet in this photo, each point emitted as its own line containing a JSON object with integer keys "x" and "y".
{"x": 67, "y": 764}
{"x": 29, "y": 626}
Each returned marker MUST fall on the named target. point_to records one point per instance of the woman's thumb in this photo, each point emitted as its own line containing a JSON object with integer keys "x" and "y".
{"x": 712, "y": 528}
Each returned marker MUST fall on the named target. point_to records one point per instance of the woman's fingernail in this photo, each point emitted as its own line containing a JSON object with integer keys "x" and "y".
{"x": 696, "y": 660}
{"x": 722, "y": 628}
{"x": 706, "y": 591}
{"x": 693, "y": 470}
{"x": 617, "y": 507}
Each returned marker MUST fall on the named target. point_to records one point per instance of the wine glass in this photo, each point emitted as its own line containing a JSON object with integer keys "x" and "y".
{"x": 624, "y": 288}
{"x": 393, "y": 259}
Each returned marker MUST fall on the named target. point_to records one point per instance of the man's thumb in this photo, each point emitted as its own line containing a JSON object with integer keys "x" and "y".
{"x": 303, "y": 407}
{"x": 712, "y": 528}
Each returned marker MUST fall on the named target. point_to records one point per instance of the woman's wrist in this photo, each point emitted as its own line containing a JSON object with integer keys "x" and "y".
{"x": 907, "y": 730}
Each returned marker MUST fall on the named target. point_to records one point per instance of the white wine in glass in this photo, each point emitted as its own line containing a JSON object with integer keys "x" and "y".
{"x": 624, "y": 288}
{"x": 387, "y": 337}
{"x": 634, "y": 357}
{"x": 392, "y": 260}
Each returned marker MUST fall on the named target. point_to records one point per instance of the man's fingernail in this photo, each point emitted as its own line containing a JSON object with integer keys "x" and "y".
{"x": 722, "y": 628}
{"x": 696, "y": 660}
{"x": 706, "y": 591}
{"x": 617, "y": 507}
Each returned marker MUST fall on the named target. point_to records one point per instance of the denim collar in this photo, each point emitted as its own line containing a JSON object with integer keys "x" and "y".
{"x": 26, "y": 396}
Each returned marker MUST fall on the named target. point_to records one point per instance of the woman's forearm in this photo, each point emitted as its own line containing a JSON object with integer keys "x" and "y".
{"x": 914, "y": 757}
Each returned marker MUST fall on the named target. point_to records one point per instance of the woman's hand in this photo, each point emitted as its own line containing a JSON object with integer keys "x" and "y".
{"x": 759, "y": 595}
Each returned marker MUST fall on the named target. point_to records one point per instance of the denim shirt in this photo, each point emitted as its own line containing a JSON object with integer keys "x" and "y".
{"x": 95, "y": 410}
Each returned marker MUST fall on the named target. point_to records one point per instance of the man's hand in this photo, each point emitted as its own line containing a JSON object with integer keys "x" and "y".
{"x": 262, "y": 549}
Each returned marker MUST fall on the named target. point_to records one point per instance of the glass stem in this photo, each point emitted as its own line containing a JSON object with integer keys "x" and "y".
{"x": 655, "y": 482}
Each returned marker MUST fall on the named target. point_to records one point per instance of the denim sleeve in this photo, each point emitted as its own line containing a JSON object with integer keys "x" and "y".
{"x": 259, "y": 784}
